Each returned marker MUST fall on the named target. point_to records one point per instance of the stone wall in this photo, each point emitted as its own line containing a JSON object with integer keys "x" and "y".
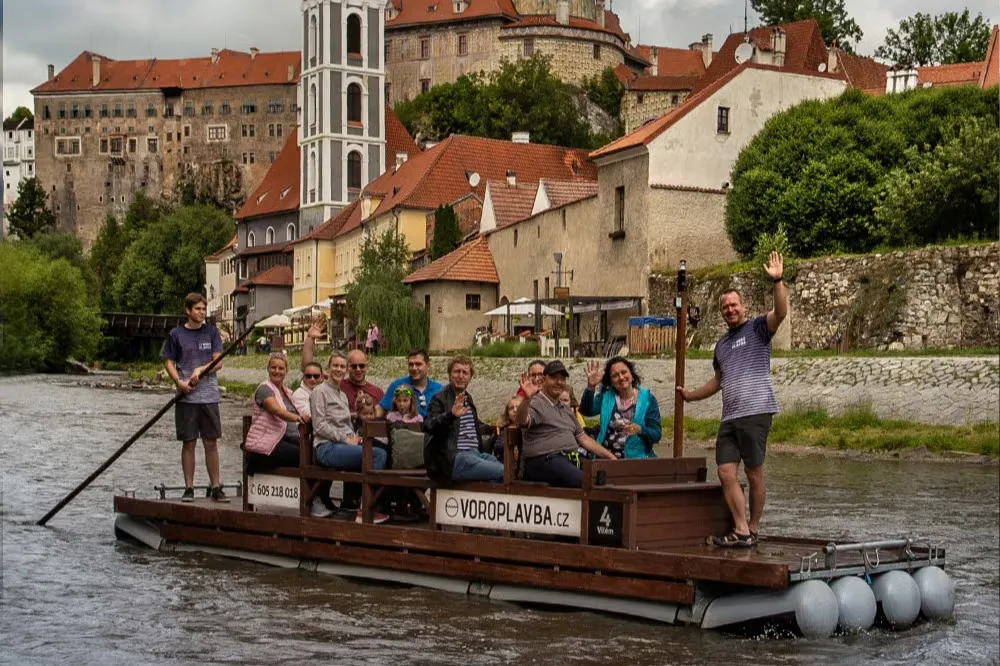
{"x": 935, "y": 297}
{"x": 641, "y": 106}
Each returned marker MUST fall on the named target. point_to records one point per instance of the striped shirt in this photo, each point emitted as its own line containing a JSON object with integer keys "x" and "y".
{"x": 468, "y": 438}
{"x": 743, "y": 359}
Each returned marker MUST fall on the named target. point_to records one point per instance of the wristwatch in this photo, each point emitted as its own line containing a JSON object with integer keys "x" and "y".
{"x": 778, "y": 279}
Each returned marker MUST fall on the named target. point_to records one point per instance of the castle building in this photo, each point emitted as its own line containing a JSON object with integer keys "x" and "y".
{"x": 428, "y": 44}
{"x": 107, "y": 129}
{"x": 342, "y": 134}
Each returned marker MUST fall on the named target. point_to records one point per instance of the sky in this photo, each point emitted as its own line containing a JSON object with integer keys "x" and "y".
{"x": 39, "y": 32}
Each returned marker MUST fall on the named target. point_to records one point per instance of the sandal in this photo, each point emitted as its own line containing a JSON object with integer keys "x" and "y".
{"x": 734, "y": 540}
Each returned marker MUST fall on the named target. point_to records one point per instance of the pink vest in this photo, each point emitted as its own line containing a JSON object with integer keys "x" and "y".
{"x": 266, "y": 429}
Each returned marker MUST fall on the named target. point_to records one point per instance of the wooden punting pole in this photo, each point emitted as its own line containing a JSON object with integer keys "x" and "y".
{"x": 680, "y": 303}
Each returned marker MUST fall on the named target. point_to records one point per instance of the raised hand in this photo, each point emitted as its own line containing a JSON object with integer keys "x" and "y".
{"x": 528, "y": 386}
{"x": 593, "y": 373}
{"x": 459, "y": 408}
{"x": 317, "y": 329}
{"x": 775, "y": 267}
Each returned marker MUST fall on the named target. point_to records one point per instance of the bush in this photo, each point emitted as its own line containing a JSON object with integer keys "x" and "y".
{"x": 823, "y": 168}
{"x": 508, "y": 349}
{"x": 45, "y": 317}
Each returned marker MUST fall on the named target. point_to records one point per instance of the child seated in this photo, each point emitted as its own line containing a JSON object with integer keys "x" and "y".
{"x": 404, "y": 407}
{"x": 505, "y": 422}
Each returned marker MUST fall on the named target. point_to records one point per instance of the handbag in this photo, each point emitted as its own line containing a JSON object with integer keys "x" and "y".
{"x": 407, "y": 448}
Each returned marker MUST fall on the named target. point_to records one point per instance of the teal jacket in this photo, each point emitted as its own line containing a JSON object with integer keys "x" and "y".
{"x": 647, "y": 417}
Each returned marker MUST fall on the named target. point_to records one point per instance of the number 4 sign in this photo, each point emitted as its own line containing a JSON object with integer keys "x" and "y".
{"x": 605, "y": 524}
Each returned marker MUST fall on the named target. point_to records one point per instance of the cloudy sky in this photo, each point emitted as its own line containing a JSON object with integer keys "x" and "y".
{"x": 39, "y": 32}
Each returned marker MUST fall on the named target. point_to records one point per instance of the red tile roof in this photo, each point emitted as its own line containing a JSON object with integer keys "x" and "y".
{"x": 233, "y": 68}
{"x": 991, "y": 66}
{"x": 662, "y": 83}
{"x": 351, "y": 214}
{"x": 276, "y": 276}
{"x": 863, "y": 73}
{"x": 279, "y": 191}
{"x": 950, "y": 75}
{"x": 440, "y": 175}
{"x": 215, "y": 256}
{"x": 564, "y": 192}
{"x": 549, "y": 20}
{"x": 273, "y": 248}
{"x": 511, "y": 203}
{"x": 418, "y": 12}
{"x": 471, "y": 262}
{"x": 397, "y": 139}
{"x": 672, "y": 61}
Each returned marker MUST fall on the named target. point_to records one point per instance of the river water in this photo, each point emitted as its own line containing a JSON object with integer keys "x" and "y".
{"x": 71, "y": 593}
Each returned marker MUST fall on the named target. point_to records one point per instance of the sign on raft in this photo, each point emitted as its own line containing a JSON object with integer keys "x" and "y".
{"x": 519, "y": 513}
{"x": 272, "y": 492}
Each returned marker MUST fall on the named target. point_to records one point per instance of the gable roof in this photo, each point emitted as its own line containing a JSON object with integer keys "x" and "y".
{"x": 397, "y": 139}
{"x": 279, "y": 191}
{"x": 950, "y": 75}
{"x": 440, "y": 175}
{"x": 276, "y": 276}
{"x": 215, "y": 256}
{"x": 471, "y": 262}
{"x": 861, "y": 72}
{"x": 990, "y": 75}
{"x": 415, "y": 12}
{"x": 232, "y": 68}
{"x": 351, "y": 214}
{"x": 645, "y": 83}
{"x": 511, "y": 202}
{"x": 563, "y": 192}
{"x": 671, "y": 61}
{"x": 23, "y": 124}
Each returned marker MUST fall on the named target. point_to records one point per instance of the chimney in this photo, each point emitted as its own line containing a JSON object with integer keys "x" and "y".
{"x": 521, "y": 137}
{"x": 778, "y": 47}
{"x": 600, "y": 13}
{"x": 52, "y": 72}
{"x": 706, "y": 49}
{"x": 401, "y": 159}
{"x": 511, "y": 178}
{"x": 291, "y": 72}
{"x": 215, "y": 56}
{"x": 253, "y": 52}
{"x": 562, "y": 12}
{"x": 832, "y": 59}
{"x": 653, "y": 51}
{"x": 96, "y": 63}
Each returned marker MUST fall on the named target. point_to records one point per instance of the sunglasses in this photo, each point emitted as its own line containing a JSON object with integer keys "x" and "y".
{"x": 312, "y": 376}
{"x": 358, "y": 366}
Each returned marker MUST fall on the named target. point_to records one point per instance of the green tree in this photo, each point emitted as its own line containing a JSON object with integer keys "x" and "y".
{"x": 114, "y": 239}
{"x": 946, "y": 192}
{"x": 378, "y": 294}
{"x": 606, "y": 91}
{"x": 947, "y": 38}
{"x": 834, "y": 22}
{"x": 20, "y": 113}
{"x": 819, "y": 168}
{"x": 30, "y": 214}
{"x": 68, "y": 247}
{"x": 447, "y": 234}
{"x": 166, "y": 261}
{"x": 44, "y": 313}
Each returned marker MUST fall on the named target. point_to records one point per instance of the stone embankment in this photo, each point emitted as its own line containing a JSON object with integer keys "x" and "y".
{"x": 938, "y": 390}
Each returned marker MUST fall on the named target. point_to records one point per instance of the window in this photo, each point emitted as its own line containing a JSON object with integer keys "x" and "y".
{"x": 425, "y": 85}
{"x": 253, "y": 159}
{"x": 597, "y": 51}
{"x": 130, "y": 111}
{"x": 215, "y": 133}
{"x": 546, "y": 287}
{"x": 187, "y": 131}
{"x": 275, "y": 106}
{"x": 104, "y": 111}
{"x": 427, "y": 301}
{"x": 675, "y": 99}
{"x": 620, "y": 209}
{"x": 313, "y": 108}
{"x": 271, "y": 156}
{"x": 354, "y": 103}
{"x": 388, "y": 49}
{"x": 104, "y": 147}
{"x": 515, "y": 237}
{"x": 564, "y": 219}
{"x": 251, "y": 240}
{"x": 189, "y": 108}
{"x": 62, "y": 111}
{"x": 46, "y": 114}
{"x": 117, "y": 145}
{"x": 354, "y": 170}
{"x": 74, "y": 111}
{"x": 425, "y": 48}
{"x": 224, "y": 108}
{"x": 168, "y": 111}
{"x": 529, "y": 46}
{"x": 67, "y": 147}
{"x": 249, "y": 107}
{"x": 152, "y": 144}
{"x": 353, "y": 35}
{"x": 269, "y": 236}
{"x": 133, "y": 145}
{"x": 463, "y": 46}
{"x": 312, "y": 40}
{"x": 722, "y": 121}
{"x": 388, "y": 93}
{"x": 249, "y": 131}
{"x": 639, "y": 98}
{"x": 170, "y": 136}
{"x": 312, "y": 176}
{"x": 472, "y": 302}
{"x": 290, "y": 232}
{"x": 150, "y": 110}
{"x": 207, "y": 109}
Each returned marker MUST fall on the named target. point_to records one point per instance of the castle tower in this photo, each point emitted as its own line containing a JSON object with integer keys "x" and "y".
{"x": 342, "y": 128}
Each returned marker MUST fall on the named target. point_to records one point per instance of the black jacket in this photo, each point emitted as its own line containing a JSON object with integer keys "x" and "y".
{"x": 441, "y": 434}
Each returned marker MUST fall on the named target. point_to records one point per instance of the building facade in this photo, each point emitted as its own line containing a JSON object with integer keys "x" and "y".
{"x": 18, "y": 157}
{"x": 107, "y": 129}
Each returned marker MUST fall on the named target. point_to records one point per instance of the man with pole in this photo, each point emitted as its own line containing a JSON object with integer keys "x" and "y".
{"x": 743, "y": 373}
{"x": 187, "y": 353}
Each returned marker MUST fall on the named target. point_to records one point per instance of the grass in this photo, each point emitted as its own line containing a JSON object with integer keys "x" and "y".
{"x": 859, "y": 427}
{"x": 505, "y": 349}
{"x": 237, "y": 388}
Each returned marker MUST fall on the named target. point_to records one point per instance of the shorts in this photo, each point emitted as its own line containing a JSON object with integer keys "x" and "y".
{"x": 194, "y": 420}
{"x": 743, "y": 439}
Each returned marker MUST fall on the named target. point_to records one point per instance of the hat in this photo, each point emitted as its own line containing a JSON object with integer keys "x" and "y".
{"x": 555, "y": 368}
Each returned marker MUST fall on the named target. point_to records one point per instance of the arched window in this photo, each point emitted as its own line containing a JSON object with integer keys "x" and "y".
{"x": 312, "y": 39}
{"x": 354, "y": 35}
{"x": 290, "y": 232}
{"x": 354, "y": 103}
{"x": 354, "y": 170}
{"x": 313, "y": 107}
{"x": 312, "y": 176}
{"x": 269, "y": 236}
{"x": 251, "y": 240}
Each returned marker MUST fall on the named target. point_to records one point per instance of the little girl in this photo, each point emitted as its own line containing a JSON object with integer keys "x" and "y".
{"x": 364, "y": 406}
{"x": 404, "y": 407}
{"x": 506, "y": 421}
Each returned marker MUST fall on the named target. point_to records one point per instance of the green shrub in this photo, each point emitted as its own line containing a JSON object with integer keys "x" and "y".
{"x": 508, "y": 349}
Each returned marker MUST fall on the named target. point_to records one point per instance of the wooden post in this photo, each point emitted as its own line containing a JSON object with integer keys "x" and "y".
{"x": 681, "y": 347}
{"x": 569, "y": 325}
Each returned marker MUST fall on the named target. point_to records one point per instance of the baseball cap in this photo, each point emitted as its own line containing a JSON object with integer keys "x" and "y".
{"x": 555, "y": 368}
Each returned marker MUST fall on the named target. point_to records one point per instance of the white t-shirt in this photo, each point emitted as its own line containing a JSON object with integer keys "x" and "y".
{"x": 300, "y": 398}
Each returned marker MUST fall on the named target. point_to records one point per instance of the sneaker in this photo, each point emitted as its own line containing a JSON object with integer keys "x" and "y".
{"x": 377, "y": 519}
{"x": 188, "y": 495}
{"x": 319, "y": 510}
{"x": 217, "y": 494}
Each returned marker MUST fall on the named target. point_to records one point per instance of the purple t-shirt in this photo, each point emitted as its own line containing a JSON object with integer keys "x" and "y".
{"x": 743, "y": 359}
{"x": 190, "y": 349}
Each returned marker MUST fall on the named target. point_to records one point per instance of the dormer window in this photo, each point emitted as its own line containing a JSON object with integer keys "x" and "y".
{"x": 284, "y": 193}
{"x": 458, "y": 6}
{"x": 390, "y": 10}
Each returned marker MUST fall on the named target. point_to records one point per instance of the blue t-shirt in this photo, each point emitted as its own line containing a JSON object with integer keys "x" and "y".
{"x": 192, "y": 348}
{"x": 423, "y": 398}
{"x": 743, "y": 359}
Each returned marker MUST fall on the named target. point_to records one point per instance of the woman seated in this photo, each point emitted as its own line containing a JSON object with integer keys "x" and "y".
{"x": 630, "y": 416}
{"x": 273, "y": 439}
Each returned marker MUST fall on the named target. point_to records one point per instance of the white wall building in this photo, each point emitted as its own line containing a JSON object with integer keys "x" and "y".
{"x": 18, "y": 160}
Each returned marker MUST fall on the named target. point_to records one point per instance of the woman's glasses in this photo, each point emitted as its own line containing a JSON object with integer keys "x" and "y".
{"x": 310, "y": 376}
